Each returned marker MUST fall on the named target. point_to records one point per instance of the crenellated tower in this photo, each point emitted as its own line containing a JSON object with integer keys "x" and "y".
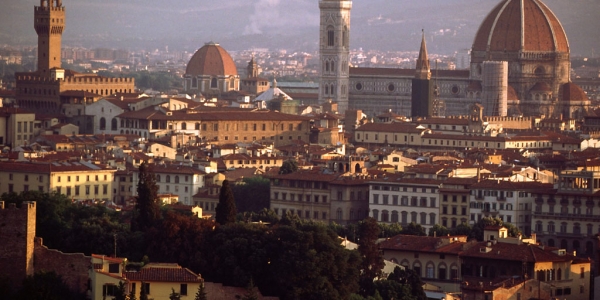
{"x": 334, "y": 51}
{"x": 49, "y": 24}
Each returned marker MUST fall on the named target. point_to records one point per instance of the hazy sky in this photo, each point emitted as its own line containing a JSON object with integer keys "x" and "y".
{"x": 385, "y": 24}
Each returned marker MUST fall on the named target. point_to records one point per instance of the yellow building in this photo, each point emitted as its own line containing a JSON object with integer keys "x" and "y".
{"x": 158, "y": 279}
{"x": 17, "y": 126}
{"x": 77, "y": 180}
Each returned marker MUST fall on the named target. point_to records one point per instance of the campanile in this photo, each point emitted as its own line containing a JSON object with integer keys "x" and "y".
{"x": 49, "y": 24}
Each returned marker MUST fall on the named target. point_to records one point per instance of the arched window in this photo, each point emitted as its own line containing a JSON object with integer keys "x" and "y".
{"x": 183, "y": 126}
{"x": 197, "y": 126}
{"x": 442, "y": 275}
{"x": 232, "y": 83}
{"x": 430, "y": 270}
{"x": 102, "y": 123}
{"x": 394, "y": 216}
{"x": 113, "y": 124}
{"x": 338, "y": 214}
{"x": 375, "y": 214}
{"x": 213, "y": 83}
{"x": 385, "y": 216}
{"x": 168, "y": 178}
{"x": 330, "y": 36}
{"x": 157, "y": 178}
{"x": 333, "y": 66}
{"x": 559, "y": 274}
{"x": 326, "y": 89}
{"x": 345, "y": 37}
{"x": 327, "y": 66}
{"x": 177, "y": 177}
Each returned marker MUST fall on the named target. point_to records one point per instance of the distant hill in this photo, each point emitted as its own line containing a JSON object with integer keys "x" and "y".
{"x": 289, "y": 24}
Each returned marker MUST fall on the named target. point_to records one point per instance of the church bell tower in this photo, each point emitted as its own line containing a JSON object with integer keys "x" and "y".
{"x": 334, "y": 52}
{"x": 49, "y": 24}
{"x": 422, "y": 86}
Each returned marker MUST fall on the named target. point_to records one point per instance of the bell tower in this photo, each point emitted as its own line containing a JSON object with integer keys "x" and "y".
{"x": 334, "y": 52}
{"x": 49, "y": 24}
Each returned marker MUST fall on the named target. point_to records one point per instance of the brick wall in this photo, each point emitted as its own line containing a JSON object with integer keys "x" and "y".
{"x": 72, "y": 267}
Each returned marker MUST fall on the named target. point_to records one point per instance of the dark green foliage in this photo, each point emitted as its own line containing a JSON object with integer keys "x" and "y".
{"x": 414, "y": 229}
{"x": 389, "y": 230}
{"x": 439, "y": 230}
{"x": 147, "y": 208}
{"x": 174, "y": 295}
{"x": 201, "y": 293}
{"x": 389, "y": 289}
{"x": 410, "y": 279}
{"x": 372, "y": 260}
{"x": 252, "y": 195}
{"x": 305, "y": 261}
{"x": 177, "y": 239}
{"x": 143, "y": 292}
{"x": 225, "y": 211}
{"x": 462, "y": 229}
{"x": 251, "y": 291}
{"x": 478, "y": 228}
{"x": 121, "y": 292}
{"x": 47, "y": 286}
{"x": 288, "y": 166}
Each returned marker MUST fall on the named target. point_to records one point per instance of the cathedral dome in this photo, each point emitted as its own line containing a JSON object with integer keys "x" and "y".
{"x": 521, "y": 25}
{"x": 572, "y": 92}
{"x": 211, "y": 60}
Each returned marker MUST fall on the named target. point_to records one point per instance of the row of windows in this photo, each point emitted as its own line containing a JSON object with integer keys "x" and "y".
{"x": 11, "y": 188}
{"x": 402, "y": 217}
{"x": 186, "y": 178}
{"x": 477, "y": 217}
{"x": 359, "y": 215}
{"x": 168, "y": 189}
{"x": 454, "y": 210}
{"x": 442, "y": 272}
{"x": 403, "y": 188}
{"x": 306, "y": 214}
{"x": 69, "y": 190}
{"x": 39, "y": 178}
{"x": 87, "y": 178}
{"x": 493, "y": 206}
{"x": 404, "y": 201}
{"x": 23, "y": 128}
{"x": 564, "y": 228}
{"x": 300, "y": 197}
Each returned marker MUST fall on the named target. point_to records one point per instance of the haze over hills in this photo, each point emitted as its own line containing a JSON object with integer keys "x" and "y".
{"x": 289, "y": 24}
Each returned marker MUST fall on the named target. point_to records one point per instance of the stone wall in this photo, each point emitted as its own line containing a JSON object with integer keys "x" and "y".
{"x": 17, "y": 231}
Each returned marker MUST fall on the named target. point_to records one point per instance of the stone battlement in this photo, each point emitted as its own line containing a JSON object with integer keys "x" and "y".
{"x": 48, "y": 9}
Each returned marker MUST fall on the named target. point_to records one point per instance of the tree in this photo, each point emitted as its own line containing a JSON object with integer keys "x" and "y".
{"x": 174, "y": 295}
{"x": 462, "y": 229}
{"x": 408, "y": 277}
{"x": 288, "y": 166}
{"x": 47, "y": 286}
{"x": 148, "y": 204}
{"x": 372, "y": 260}
{"x": 414, "y": 229}
{"x": 225, "y": 211}
{"x": 251, "y": 292}
{"x": 438, "y": 230}
{"x": 143, "y": 292}
{"x": 252, "y": 195}
{"x": 201, "y": 293}
{"x": 121, "y": 294}
{"x": 389, "y": 230}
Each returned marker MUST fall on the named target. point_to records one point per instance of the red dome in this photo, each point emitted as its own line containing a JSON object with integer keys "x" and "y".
{"x": 211, "y": 60}
{"x": 573, "y": 92}
{"x": 521, "y": 25}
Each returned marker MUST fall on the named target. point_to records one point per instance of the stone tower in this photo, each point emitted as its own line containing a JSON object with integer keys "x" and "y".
{"x": 49, "y": 24}
{"x": 252, "y": 68}
{"x": 334, "y": 50}
{"x": 422, "y": 86}
{"x": 17, "y": 232}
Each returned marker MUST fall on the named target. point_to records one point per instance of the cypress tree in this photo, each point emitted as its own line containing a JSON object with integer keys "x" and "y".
{"x": 147, "y": 206}
{"x": 225, "y": 212}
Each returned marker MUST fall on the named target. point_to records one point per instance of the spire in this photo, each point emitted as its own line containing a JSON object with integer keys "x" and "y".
{"x": 423, "y": 69}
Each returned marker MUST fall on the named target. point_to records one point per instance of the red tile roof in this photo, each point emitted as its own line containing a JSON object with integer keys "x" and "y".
{"x": 163, "y": 274}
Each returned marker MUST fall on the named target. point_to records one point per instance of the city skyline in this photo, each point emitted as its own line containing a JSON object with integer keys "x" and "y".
{"x": 274, "y": 24}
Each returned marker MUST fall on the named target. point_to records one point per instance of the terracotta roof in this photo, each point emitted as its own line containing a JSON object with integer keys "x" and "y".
{"x": 573, "y": 92}
{"x": 514, "y": 252}
{"x": 423, "y": 244}
{"x": 512, "y": 94}
{"x": 211, "y": 60}
{"x": 521, "y": 25}
{"x": 163, "y": 274}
